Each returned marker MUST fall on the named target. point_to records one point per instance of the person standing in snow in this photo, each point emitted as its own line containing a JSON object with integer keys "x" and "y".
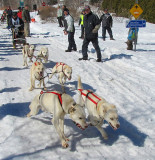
{"x": 19, "y": 14}
{"x": 63, "y": 15}
{"x": 107, "y": 22}
{"x": 69, "y": 30}
{"x": 9, "y": 15}
{"x": 91, "y": 27}
{"x": 59, "y": 16}
{"x": 81, "y": 23}
{"x": 27, "y": 20}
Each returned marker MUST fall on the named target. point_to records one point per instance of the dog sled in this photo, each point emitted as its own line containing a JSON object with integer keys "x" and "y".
{"x": 18, "y": 36}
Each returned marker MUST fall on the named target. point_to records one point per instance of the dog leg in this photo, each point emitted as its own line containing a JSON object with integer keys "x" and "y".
{"x": 34, "y": 107}
{"x": 102, "y": 131}
{"x": 55, "y": 122}
{"x": 61, "y": 124}
{"x": 32, "y": 84}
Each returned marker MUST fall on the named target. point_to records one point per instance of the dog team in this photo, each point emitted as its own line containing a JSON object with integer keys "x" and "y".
{"x": 59, "y": 104}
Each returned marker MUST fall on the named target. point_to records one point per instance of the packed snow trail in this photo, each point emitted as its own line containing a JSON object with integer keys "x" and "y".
{"x": 125, "y": 78}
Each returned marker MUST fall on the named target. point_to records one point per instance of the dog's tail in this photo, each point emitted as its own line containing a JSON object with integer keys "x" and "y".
{"x": 79, "y": 86}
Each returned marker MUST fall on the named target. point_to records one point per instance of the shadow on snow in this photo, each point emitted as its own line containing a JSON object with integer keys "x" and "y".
{"x": 13, "y": 89}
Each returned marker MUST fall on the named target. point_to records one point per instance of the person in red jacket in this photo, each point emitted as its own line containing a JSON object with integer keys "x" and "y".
{"x": 19, "y": 14}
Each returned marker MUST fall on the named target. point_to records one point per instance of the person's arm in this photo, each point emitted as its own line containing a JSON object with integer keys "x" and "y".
{"x": 97, "y": 26}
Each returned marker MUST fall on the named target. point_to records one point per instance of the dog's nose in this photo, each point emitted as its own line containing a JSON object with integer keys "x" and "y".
{"x": 117, "y": 125}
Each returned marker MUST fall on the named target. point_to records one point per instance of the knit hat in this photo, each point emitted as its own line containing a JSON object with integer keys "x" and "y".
{"x": 86, "y": 7}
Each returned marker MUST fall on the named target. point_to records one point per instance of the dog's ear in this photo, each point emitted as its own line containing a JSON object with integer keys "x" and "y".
{"x": 72, "y": 109}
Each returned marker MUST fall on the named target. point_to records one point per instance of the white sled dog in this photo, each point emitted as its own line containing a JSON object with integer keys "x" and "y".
{"x": 59, "y": 105}
{"x": 64, "y": 71}
{"x": 99, "y": 109}
{"x": 28, "y": 52}
{"x": 37, "y": 73}
{"x": 43, "y": 54}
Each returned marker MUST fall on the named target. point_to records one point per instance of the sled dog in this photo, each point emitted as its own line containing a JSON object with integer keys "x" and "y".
{"x": 28, "y": 52}
{"x": 37, "y": 73}
{"x": 43, "y": 54}
{"x": 99, "y": 109}
{"x": 59, "y": 105}
{"x": 64, "y": 71}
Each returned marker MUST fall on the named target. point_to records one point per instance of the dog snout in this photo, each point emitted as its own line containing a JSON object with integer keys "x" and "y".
{"x": 118, "y": 125}
{"x": 70, "y": 77}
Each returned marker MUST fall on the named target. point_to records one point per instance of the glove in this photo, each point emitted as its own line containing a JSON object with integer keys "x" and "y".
{"x": 97, "y": 27}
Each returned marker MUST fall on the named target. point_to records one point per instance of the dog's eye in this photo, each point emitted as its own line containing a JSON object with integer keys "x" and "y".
{"x": 112, "y": 119}
{"x": 80, "y": 117}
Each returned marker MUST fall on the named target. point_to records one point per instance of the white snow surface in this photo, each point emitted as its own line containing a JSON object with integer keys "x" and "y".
{"x": 124, "y": 78}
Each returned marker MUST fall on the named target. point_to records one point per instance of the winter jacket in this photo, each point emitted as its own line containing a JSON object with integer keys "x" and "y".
{"x": 106, "y": 20}
{"x": 69, "y": 26}
{"x": 18, "y": 21}
{"x": 91, "y": 25}
{"x": 26, "y": 16}
{"x": 81, "y": 19}
{"x": 59, "y": 13}
{"x": 19, "y": 14}
{"x": 9, "y": 13}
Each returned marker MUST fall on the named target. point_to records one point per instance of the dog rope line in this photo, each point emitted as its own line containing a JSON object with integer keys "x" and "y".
{"x": 87, "y": 96}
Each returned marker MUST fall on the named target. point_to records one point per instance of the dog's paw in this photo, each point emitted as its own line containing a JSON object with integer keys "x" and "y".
{"x": 28, "y": 115}
{"x": 105, "y": 137}
{"x": 67, "y": 139}
{"x": 45, "y": 89}
{"x": 30, "y": 89}
{"x": 65, "y": 144}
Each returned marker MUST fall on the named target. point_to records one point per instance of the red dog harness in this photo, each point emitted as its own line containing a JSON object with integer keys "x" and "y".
{"x": 87, "y": 96}
{"x": 60, "y": 64}
{"x": 58, "y": 94}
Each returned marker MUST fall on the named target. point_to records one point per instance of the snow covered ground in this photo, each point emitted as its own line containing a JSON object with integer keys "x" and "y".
{"x": 125, "y": 78}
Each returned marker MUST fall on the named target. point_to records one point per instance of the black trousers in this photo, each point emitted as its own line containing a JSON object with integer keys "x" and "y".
{"x": 71, "y": 41}
{"x": 95, "y": 44}
{"x": 82, "y": 31}
{"x": 104, "y": 32}
{"x": 60, "y": 21}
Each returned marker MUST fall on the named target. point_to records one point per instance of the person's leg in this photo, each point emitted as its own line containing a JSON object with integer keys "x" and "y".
{"x": 103, "y": 32}
{"x": 85, "y": 48}
{"x": 61, "y": 25}
{"x": 26, "y": 29}
{"x": 82, "y": 31}
{"x": 97, "y": 48}
{"x": 110, "y": 32}
{"x": 59, "y": 21}
{"x": 72, "y": 44}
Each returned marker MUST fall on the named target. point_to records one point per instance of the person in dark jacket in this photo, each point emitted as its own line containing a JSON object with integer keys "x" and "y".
{"x": 16, "y": 22}
{"x": 91, "y": 26}
{"x": 9, "y": 15}
{"x": 70, "y": 31}
{"x": 27, "y": 20}
{"x": 81, "y": 23}
{"x": 106, "y": 20}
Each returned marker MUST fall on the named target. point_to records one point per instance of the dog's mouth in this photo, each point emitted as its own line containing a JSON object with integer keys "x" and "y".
{"x": 115, "y": 128}
{"x": 79, "y": 126}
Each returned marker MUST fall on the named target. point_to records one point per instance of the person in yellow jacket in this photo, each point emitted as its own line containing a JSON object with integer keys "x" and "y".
{"x": 81, "y": 23}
